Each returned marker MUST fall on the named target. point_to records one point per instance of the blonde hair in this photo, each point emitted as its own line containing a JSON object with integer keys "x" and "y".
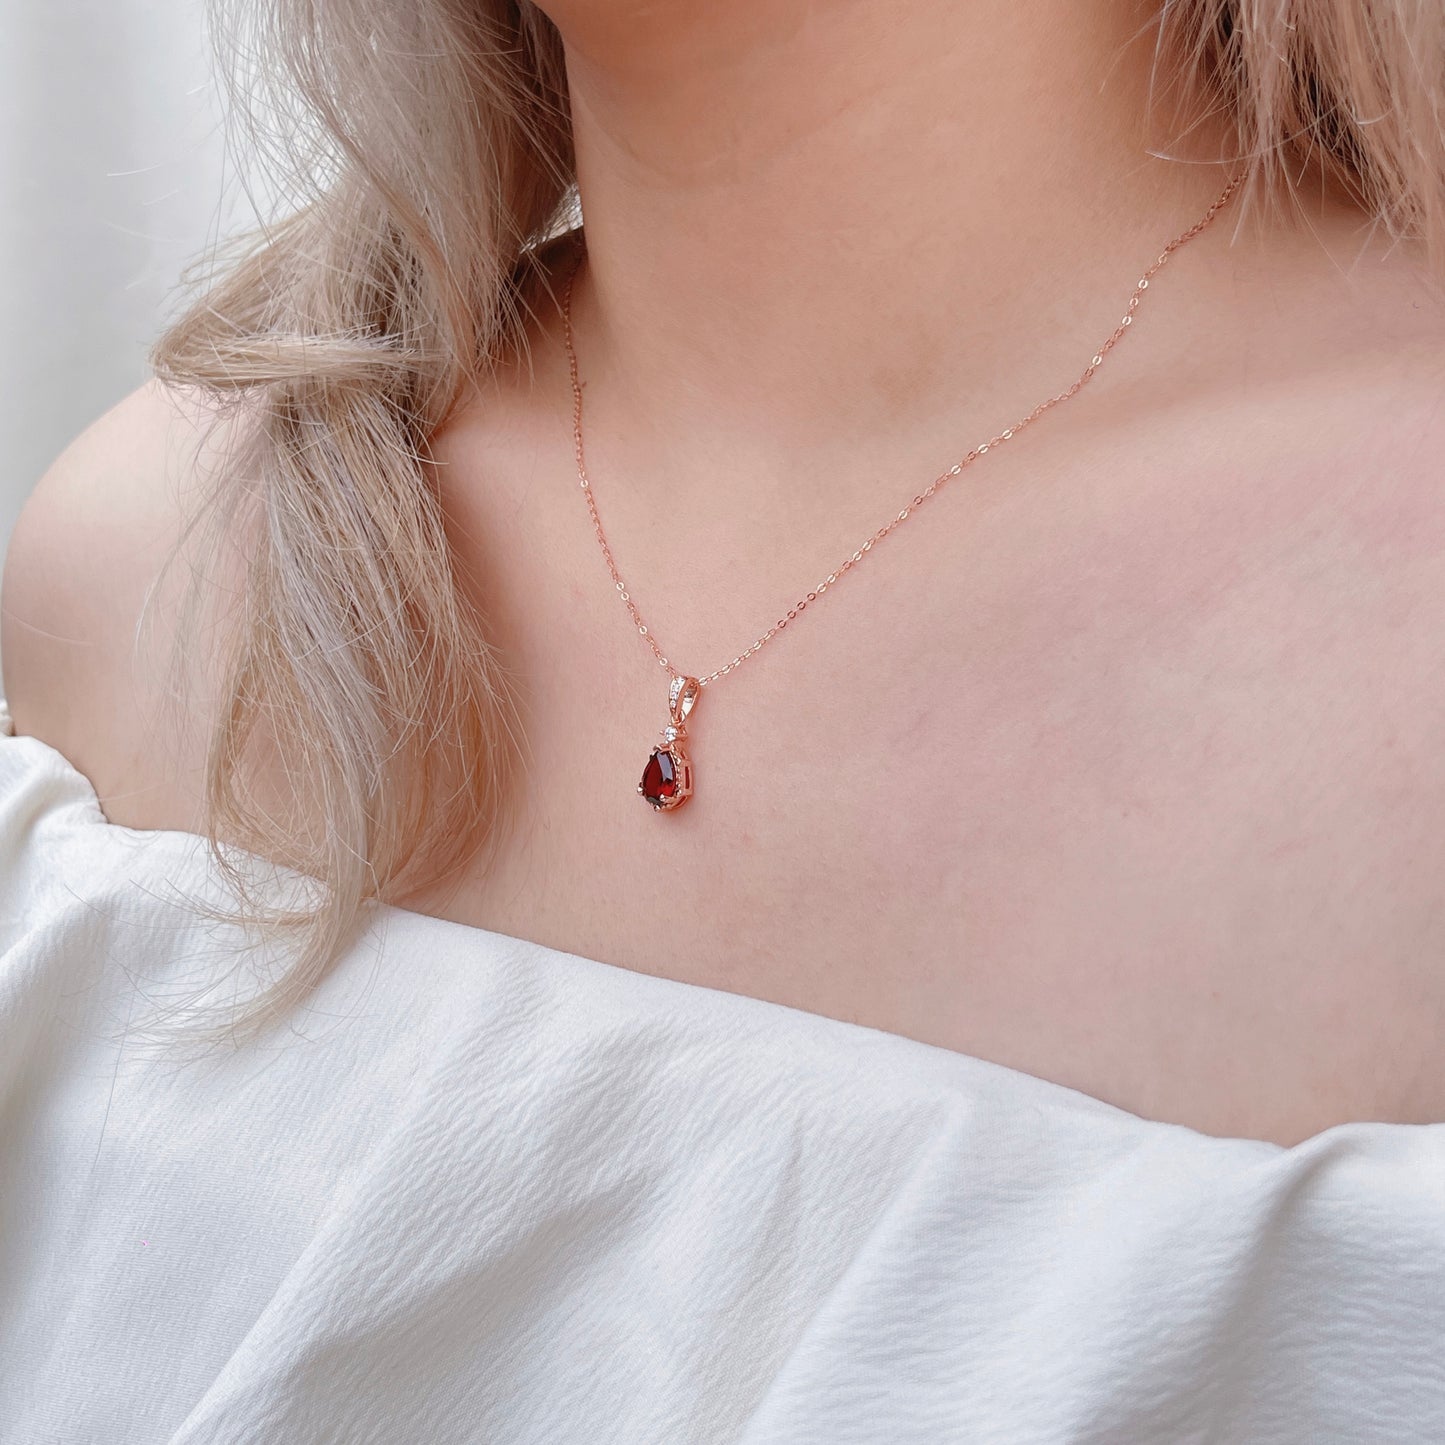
{"x": 430, "y": 149}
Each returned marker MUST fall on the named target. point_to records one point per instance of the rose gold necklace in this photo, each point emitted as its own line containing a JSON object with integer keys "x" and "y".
{"x": 667, "y": 781}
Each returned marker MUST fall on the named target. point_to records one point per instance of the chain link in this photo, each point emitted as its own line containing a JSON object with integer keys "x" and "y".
{"x": 902, "y": 515}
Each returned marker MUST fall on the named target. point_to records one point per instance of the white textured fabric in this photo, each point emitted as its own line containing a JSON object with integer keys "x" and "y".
{"x": 485, "y": 1191}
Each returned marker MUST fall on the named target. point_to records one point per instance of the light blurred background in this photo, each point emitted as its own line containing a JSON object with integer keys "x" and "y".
{"x": 113, "y": 174}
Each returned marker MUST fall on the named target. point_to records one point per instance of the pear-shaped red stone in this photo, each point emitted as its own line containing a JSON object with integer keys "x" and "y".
{"x": 659, "y": 778}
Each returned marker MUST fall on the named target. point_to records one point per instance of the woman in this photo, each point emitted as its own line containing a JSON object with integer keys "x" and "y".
{"x": 1017, "y": 1015}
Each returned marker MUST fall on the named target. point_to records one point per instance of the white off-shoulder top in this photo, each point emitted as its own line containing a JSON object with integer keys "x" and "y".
{"x": 483, "y": 1191}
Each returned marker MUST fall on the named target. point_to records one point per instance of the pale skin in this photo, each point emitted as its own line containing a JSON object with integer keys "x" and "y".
{"x": 1122, "y": 764}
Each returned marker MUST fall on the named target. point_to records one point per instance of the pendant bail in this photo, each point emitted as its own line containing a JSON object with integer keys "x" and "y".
{"x": 682, "y": 695}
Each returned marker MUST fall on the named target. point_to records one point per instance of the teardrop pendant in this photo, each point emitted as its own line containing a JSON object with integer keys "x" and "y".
{"x": 667, "y": 778}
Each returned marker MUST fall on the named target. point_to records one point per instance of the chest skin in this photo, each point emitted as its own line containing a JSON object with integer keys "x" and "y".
{"x": 1119, "y": 765}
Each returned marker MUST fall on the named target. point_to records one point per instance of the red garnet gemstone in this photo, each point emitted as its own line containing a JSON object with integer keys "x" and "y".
{"x": 660, "y": 784}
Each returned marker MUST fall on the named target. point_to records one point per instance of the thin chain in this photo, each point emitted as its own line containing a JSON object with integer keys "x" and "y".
{"x": 903, "y": 514}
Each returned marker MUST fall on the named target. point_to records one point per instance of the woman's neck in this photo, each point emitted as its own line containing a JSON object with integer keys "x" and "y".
{"x": 839, "y": 220}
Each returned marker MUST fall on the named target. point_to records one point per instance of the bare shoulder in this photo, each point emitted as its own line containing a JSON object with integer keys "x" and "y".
{"x": 92, "y": 548}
